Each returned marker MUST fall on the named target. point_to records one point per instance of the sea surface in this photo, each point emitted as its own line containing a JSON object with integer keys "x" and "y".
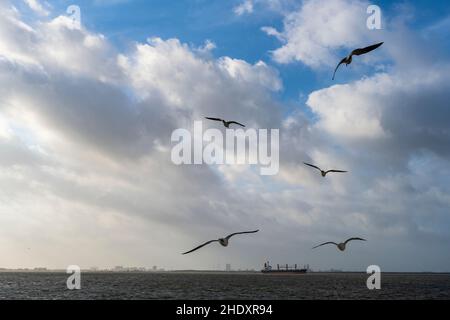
{"x": 193, "y": 286}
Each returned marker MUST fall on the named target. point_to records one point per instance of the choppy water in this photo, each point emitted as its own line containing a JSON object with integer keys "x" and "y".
{"x": 193, "y": 286}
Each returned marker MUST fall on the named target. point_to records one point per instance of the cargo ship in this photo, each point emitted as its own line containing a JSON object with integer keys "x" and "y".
{"x": 284, "y": 269}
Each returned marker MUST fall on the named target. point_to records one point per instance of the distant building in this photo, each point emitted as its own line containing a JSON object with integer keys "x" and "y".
{"x": 40, "y": 269}
{"x": 228, "y": 267}
{"x": 155, "y": 268}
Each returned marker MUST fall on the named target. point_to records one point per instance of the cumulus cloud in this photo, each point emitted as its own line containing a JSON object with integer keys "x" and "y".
{"x": 382, "y": 128}
{"x": 404, "y": 110}
{"x": 312, "y": 33}
{"x": 86, "y": 131}
{"x": 85, "y": 153}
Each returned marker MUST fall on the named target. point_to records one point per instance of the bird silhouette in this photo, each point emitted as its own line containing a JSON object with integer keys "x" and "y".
{"x": 225, "y": 123}
{"x": 223, "y": 241}
{"x": 357, "y": 52}
{"x": 324, "y": 173}
{"x": 341, "y": 246}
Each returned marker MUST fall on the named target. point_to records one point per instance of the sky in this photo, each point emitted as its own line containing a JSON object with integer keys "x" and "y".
{"x": 86, "y": 117}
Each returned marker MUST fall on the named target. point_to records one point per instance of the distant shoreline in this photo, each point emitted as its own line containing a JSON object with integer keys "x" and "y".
{"x": 208, "y": 272}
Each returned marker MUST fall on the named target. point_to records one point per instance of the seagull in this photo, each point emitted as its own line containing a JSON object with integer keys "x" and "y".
{"x": 341, "y": 246}
{"x": 222, "y": 241}
{"x": 324, "y": 173}
{"x": 356, "y": 52}
{"x": 226, "y": 123}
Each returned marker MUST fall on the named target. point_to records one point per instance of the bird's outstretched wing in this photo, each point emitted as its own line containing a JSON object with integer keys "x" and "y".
{"x": 339, "y": 171}
{"x": 214, "y": 119}
{"x": 239, "y": 124}
{"x": 325, "y": 244}
{"x": 354, "y": 239}
{"x": 244, "y": 232}
{"x": 360, "y": 51}
{"x": 311, "y": 165}
{"x": 200, "y": 246}
{"x": 342, "y": 61}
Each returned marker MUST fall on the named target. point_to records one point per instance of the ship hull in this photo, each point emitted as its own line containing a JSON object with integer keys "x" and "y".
{"x": 300, "y": 271}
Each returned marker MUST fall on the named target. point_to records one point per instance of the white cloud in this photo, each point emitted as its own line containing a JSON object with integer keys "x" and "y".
{"x": 245, "y": 7}
{"x": 37, "y": 7}
{"x": 279, "y": 6}
{"x": 313, "y": 32}
{"x": 338, "y": 115}
{"x": 207, "y": 47}
{"x": 86, "y": 132}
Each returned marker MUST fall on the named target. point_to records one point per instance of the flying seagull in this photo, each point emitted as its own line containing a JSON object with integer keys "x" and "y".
{"x": 222, "y": 241}
{"x": 341, "y": 246}
{"x": 356, "y": 52}
{"x": 225, "y": 123}
{"x": 324, "y": 173}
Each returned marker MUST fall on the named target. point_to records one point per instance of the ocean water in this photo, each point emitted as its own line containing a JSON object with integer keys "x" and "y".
{"x": 193, "y": 286}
